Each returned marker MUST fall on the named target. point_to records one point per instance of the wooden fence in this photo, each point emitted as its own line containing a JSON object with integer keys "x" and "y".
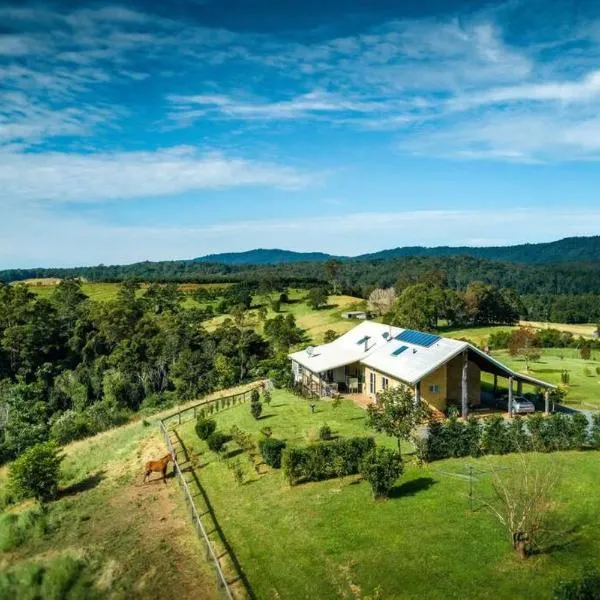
{"x": 191, "y": 412}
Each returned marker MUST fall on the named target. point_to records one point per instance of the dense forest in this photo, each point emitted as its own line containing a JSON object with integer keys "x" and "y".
{"x": 565, "y": 292}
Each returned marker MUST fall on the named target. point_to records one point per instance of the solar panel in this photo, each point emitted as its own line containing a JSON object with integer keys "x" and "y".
{"x": 419, "y": 338}
{"x": 399, "y": 350}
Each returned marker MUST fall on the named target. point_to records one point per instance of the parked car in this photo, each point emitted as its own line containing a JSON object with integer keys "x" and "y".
{"x": 520, "y": 404}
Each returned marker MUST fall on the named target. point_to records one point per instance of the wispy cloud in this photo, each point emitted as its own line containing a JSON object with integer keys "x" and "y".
{"x": 81, "y": 178}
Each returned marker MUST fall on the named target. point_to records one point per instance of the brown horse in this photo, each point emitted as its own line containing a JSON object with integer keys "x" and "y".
{"x": 156, "y": 466}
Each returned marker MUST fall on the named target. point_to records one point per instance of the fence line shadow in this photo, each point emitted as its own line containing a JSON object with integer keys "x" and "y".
{"x": 216, "y": 528}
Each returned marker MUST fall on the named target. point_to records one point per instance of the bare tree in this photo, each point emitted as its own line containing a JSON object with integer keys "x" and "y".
{"x": 522, "y": 500}
{"x": 381, "y": 300}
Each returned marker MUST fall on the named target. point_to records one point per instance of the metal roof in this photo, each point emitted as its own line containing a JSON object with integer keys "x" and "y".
{"x": 379, "y": 346}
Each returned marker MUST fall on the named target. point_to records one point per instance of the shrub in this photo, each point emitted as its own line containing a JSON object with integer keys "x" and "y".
{"x": 266, "y": 397}
{"x": 62, "y": 577}
{"x": 35, "y": 473}
{"x": 325, "y": 432}
{"x": 579, "y": 430}
{"x": 243, "y": 439}
{"x": 587, "y": 372}
{"x": 381, "y": 467}
{"x": 70, "y": 425}
{"x": 495, "y": 436}
{"x": 256, "y": 409}
{"x": 324, "y": 460}
{"x": 275, "y": 305}
{"x": 17, "y": 528}
{"x": 271, "y": 450}
{"x": 267, "y": 432}
{"x": 595, "y": 431}
{"x": 254, "y": 396}
{"x": 329, "y": 336}
{"x": 204, "y": 427}
{"x": 105, "y": 414}
{"x": 584, "y": 587}
{"x": 216, "y": 440}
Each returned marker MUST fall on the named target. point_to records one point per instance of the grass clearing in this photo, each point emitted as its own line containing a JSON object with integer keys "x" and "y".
{"x": 135, "y": 539}
{"x": 314, "y": 322}
{"x": 331, "y": 540}
{"x": 103, "y": 292}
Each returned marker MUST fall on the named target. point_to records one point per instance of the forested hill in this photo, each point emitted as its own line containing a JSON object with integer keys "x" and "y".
{"x": 263, "y": 256}
{"x": 573, "y": 249}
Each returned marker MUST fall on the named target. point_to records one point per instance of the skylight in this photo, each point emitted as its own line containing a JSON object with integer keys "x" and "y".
{"x": 364, "y": 339}
{"x": 399, "y": 351}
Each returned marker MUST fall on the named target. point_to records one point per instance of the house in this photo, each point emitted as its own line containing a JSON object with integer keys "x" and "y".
{"x": 371, "y": 357}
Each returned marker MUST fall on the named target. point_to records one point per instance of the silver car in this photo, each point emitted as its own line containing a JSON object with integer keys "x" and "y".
{"x": 520, "y": 404}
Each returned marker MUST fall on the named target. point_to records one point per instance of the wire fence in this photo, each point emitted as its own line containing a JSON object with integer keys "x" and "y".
{"x": 179, "y": 417}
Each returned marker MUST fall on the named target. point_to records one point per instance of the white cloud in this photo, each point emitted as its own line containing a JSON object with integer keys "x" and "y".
{"x": 56, "y": 177}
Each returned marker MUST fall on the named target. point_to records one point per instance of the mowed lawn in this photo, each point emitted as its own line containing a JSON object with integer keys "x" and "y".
{"x": 584, "y": 384}
{"x": 330, "y": 539}
{"x": 314, "y": 322}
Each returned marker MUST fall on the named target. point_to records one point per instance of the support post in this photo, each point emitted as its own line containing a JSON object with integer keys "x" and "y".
{"x": 510, "y": 397}
{"x": 418, "y": 393}
{"x": 546, "y": 402}
{"x": 495, "y": 385}
{"x": 464, "y": 386}
{"x": 519, "y": 387}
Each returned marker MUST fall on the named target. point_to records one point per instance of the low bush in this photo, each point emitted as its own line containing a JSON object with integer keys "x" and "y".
{"x": 28, "y": 525}
{"x": 204, "y": 427}
{"x": 35, "y": 473}
{"x": 381, "y": 467}
{"x": 325, "y": 432}
{"x": 216, "y": 441}
{"x": 584, "y": 587}
{"x": 271, "y": 450}
{"x": 62, "y": 577}
{"x": 266, "y": 397}
{"x": 327, "y": 459}
{"x": 595, "y": 431}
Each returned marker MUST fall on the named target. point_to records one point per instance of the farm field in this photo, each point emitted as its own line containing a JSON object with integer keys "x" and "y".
{"x": 585, "y": 330}
{"x": 331, "y": 540}
{"x": 584, "y": 386}
{"x": 314, "y": 322}
{"x": 135, "y": 539}
{"x": 105, "y": 291}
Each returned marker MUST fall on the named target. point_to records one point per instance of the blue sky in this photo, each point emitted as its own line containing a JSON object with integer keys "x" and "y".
{"x": 152, "y": 130}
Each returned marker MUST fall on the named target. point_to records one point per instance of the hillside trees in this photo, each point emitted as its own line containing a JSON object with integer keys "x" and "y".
{"x": 94, "y": 362}
{"x": 381, "y": 301}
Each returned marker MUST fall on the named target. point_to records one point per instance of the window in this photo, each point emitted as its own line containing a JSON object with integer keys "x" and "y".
{"x": 384, "y": 383}
{"x": 434, "y": 389}
{"x": 372, "y": 382}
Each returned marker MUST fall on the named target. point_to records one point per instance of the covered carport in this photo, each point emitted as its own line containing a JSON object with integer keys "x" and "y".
{"x": 488, "y": 364}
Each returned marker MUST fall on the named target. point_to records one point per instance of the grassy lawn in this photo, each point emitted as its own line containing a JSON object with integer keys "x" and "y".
{"x": 331, "y": 540}
{"x": 584, "y": 390}
{"x": 585, "y": 330}
{"x": 477, "y": 335}
{"x": 314, "y": 322}
{"x": 136, "y": 538}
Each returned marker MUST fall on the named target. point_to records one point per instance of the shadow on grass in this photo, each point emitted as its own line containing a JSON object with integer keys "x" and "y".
{"x": 263, "y": 417}
{"x": 411, "y": 488}
{"x": 564, "y": 536}
{"x": 88, "y": 483}
{"x": 234, "y": 453}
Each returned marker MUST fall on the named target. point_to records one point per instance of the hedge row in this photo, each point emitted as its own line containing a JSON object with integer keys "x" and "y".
{"x": 559, "y": 431}
{"x": 325, "y": 459}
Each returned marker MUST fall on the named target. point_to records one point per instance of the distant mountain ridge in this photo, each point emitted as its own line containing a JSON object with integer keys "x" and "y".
{"x": 263, "y": 256}
{"x": 572, "y": 249}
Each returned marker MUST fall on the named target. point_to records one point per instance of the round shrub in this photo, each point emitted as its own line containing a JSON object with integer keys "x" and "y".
{"x": 254, "y": 396}
{"x": 35, "y": 473}
{"x": 204, "y": 427}
{"x": 381, "y": 468}
{"x": 271, "y": 449}
{"x": 216, "y": 441}
{"x": 325, "y": 432}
